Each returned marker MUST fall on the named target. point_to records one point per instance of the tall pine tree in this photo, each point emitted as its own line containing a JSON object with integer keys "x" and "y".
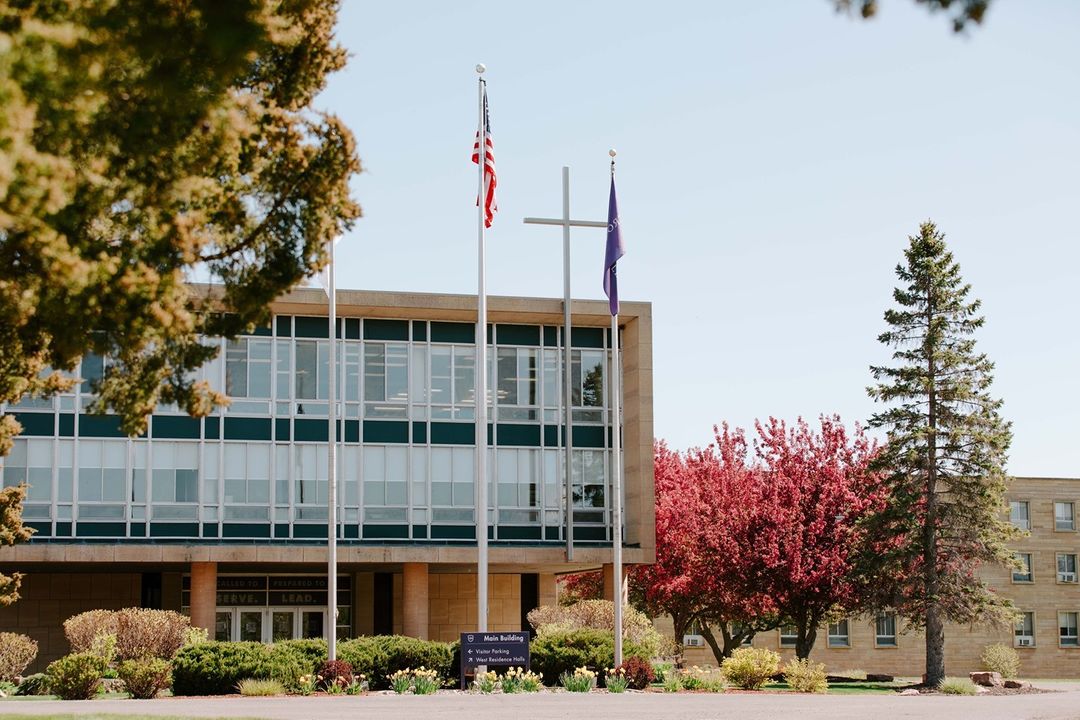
{"x": 944, "y": 457}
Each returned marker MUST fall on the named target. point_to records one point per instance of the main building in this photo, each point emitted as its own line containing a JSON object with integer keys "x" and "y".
{"x": 225, "y": 518}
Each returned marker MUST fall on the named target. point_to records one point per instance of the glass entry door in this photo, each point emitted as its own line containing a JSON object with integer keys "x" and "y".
{"x": 251, "y": 625}
{"x": 313, "y": 623}
{"x": 282, "y": 625}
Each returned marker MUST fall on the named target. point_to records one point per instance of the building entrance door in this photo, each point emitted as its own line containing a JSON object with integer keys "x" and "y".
{"x": 270, "y": 624}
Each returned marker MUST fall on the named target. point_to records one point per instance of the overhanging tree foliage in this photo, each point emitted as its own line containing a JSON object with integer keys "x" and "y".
{"x": 960, "y": 11}
{"x": 945, "y": 454}
{"x": 143, "y": 144}
{"x": 12, "y": 531}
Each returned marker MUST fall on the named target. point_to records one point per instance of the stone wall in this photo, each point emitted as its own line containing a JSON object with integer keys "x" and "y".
{"x": 48, "y": 599}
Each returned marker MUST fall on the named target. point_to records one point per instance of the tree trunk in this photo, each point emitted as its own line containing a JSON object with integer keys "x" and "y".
{"x": 935, "y": 629}
{"x": 807, "y": 626}
{"x": 710, "y": 639}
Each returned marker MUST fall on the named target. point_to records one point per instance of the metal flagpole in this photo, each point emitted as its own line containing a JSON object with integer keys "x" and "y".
{"x": 616, "y": 482}
{"x": 568, "y": 409}
{"x": 331, "y": 471}
{"x": 616, "y": 463}
{"x": 480, "y": 393}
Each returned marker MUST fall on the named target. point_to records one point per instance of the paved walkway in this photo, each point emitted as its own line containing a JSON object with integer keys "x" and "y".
{"x": 1063, "y": 705}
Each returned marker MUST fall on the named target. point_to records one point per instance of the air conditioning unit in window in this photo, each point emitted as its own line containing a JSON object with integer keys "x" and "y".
{"x": 1025, "y": 641}
{"x": 1067, "y": 577}
{"x": 693, "y": 641}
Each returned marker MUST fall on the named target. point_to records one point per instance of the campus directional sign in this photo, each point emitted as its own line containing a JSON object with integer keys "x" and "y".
{"x": 493, "y": 649}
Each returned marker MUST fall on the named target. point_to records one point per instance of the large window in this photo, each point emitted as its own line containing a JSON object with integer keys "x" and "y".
{"x": 839, "y": 636}
{"x": 789, "y": 636}
{"x": 247, "y": 481}
{"x": 589, "y": 485}
{"x": 1067, "y": 635}
{"x": 453, "y": 484}
{"x": 1024, "y": 632}
{"x": 30, "y": 461}
{"x": 518, "y": 474}
{"x": 386, "y": 380}
{"x": 1019, "y": 514}
{"x": 102, "y": 486}
{"x": 885, "y": 630}
{"x": 453, "y": 382}
{"x": 174, "y": 480}
{"x": 1066, "y": 567}
{"x": 385, "y": 483}
{"x": 1064, "y": 516}
{"x": 587, "y": 384}
{"x": 310, "y": 482}
{"x": 247, "y": 368}
{"x": 1023, "y": 573}
{"x": 517, "y": 389}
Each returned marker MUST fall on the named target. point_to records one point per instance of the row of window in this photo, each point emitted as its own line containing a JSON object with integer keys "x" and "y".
{"x": 387, "y": 380}
{"x": 1066, "y": 568}
{"x": 115, "y": 479}
{"x": 1064, "y": 515}
{"x": 839, "y": 635}
{"x": 885, "y": 632}
{"x": 1024, "y": 634}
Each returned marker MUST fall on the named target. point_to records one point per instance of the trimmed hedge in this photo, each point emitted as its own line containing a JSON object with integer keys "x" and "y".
{"x": 563, "y": 652}
{"x": 379, "y": 656}
{"x": 216, "y": 668}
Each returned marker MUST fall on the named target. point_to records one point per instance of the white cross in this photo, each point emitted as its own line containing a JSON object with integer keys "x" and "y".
{"x": 566, "y": 223}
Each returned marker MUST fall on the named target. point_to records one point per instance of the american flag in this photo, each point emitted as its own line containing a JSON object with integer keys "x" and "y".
{"x": 490, "y": 180}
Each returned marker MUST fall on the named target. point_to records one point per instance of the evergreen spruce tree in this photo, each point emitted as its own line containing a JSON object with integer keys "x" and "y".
{"x": 945, "y": 454}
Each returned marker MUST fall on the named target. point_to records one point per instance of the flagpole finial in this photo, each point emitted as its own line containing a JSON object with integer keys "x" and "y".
{"x": 612, "y": 152}
{"x": 480, "y": 68}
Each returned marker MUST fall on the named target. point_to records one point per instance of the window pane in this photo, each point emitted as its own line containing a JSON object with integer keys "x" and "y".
{"x": 306, "y": 375}
{"x": 1063, "y": 516}
{"x": 236, "y": 368}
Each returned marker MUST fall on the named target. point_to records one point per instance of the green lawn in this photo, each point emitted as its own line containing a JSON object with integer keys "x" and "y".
{"x": 853, "y": 688}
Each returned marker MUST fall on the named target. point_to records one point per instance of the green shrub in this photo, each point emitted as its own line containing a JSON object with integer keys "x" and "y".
{"x": 1001, "y": 659}
{"x": 661, "y": 670}
{"x": 16, "y": 652}
{"x": 196, "y": 635}
{"x": 8, "y": 689}
{"x": 957, "y": 686}
{"x": 556, "y": 653}
{"x": 145, "y": 677}
{"x": 806, "y": 677}
{"x": 673, "y": 682}
{"x": 599, "y": 615}
{"x": 36, "y": 684}
{"x": 380, "y": 656}
{"x": 76, "y": 676}
{"x": 312, "y": 650}
{"x": 104, "y": 647}
{"x": 81, "y": 629}
{"x": 750, "y": 668}
{"x": 216, "y": 668}
{"x": 260, "y": 688}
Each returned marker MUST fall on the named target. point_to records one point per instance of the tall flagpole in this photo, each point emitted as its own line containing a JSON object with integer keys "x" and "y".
{"x": 616, "y": 428}
{"x": 480, "y": 393}
{"x": 331, "y": 471}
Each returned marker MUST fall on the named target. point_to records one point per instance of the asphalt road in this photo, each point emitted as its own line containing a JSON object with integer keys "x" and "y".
{"x": 595, "y": 706}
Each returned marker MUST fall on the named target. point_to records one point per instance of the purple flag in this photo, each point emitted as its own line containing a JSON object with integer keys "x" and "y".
{"x": 614, "y": 252}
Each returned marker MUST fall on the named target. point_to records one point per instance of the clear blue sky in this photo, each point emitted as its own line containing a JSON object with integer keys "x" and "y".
{"x": 773, "y": 159}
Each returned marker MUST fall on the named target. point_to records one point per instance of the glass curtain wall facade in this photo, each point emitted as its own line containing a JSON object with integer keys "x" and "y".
{"x": 257, "y": 469}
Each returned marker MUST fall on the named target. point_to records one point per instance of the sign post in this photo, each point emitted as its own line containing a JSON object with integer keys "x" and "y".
{"x": 493, "y": 649}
